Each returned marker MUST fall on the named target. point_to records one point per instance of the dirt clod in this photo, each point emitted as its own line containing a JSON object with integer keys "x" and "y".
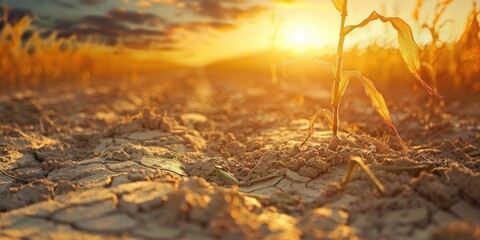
{"x": 36, "y": 191}
{"x": 308, "y": 171}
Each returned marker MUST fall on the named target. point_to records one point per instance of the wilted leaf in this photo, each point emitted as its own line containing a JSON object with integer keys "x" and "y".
{"x": 369, "y": 173}
{"x": 344, "y": 81}
{"x": 413, "y": 169}
{"x": 329, "y": 117}
{"x": 311, "y": 126}
{"x": 378, "y": 103}
{"x": 376, "y": 98}
{"x": 407, "y": 45}
{"x": 338, "y": 5}
{"x": 356, "y": 160}
{"x": 13, "y": 177}
{"x": 327, "y": 66}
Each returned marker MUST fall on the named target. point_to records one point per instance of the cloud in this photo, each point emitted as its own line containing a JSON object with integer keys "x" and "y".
{"x": 92, "y": 1}
{"x": 200, "y": 27}
{"x": 107, "y": 29}
{"x": 135, "y": 17}
{"x": 64, "y": 4}
{"x": 213, "y": 9}
{"x": 147, "y": 30}
{"x": 139, "y": 30}
{"x": 117, "y": 25}
{"x": 144, "y": 4}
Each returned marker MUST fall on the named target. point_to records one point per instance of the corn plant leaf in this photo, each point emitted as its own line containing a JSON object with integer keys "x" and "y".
{"x": 328, "y": 116}
{"x": 344, "y": 81}
{"x": 311, "y": 126}
{"x": 338, "y": 5}
{"x": 378, "y": 103}
{"x": 226, "y": 176}
{"x": 358, "y": 160}
{"x": 408, "y": 47}
{"x": 326, "y": 66}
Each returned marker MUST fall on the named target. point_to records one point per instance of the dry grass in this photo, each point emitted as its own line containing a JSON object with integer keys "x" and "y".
{"x": 464, "y": 60}
{"x": 38, "y": 60}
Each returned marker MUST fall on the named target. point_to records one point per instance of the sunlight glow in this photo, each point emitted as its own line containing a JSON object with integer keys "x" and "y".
{"x": 301, "y": 36}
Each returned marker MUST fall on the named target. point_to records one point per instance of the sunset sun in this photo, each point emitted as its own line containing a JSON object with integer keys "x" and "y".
{"x": 301, "y": 37}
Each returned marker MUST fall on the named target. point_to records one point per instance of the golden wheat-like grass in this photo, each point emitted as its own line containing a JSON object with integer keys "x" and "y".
{"x": 39, "y": 60}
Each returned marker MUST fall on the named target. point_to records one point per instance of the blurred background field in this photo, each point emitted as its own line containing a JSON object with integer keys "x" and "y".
{"x": 32, "y": 56}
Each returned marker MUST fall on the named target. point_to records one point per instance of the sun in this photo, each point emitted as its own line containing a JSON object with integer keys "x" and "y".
{"x": 300, "y": 37}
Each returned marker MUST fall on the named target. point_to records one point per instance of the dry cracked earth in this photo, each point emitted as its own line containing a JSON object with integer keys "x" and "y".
{"x": 136, "y": 160}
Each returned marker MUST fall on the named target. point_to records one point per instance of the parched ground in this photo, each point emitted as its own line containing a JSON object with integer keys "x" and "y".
{"x": 136, "y": 160}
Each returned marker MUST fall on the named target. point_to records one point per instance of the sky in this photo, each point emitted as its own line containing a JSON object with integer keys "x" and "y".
{"x": 199, "y": 32}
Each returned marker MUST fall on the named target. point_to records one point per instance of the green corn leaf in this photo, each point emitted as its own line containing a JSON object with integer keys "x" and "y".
{"x": 226, "y": 176}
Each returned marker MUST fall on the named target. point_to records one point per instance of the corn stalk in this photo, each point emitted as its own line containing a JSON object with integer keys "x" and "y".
{"x": 336, "y": 92}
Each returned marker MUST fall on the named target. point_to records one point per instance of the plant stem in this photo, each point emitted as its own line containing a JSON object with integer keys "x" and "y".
{"x": 273, "y": 48}
{"x": 433, "y": 100}
{"x": 273, "y": 52}
{"x": 336, "y": 92}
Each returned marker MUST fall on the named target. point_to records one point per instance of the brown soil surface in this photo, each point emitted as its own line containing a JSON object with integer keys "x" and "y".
{"x": 137, "y": 160}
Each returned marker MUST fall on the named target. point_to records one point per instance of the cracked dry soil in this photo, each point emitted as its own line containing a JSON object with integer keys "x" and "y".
{"x": 137, "y": 161}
